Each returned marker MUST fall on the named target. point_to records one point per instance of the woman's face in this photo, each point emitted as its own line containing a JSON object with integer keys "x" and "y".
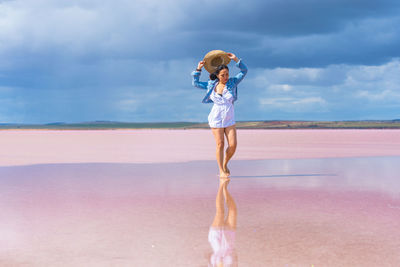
{"x": 223, "y": 75}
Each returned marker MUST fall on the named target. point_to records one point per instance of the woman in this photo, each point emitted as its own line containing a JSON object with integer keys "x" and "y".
{"x": 222, "y": 91}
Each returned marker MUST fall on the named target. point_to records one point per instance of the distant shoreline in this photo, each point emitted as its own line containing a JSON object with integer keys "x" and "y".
{"x": 274, "y": 124}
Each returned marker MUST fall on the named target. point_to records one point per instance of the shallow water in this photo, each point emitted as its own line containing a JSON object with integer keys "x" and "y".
{"x": 299, "y": 212}
{"x": 26, "y": 147}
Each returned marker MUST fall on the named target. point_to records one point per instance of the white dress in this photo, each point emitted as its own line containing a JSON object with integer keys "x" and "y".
{"x": 222, "y": 113}
{"x": 222, "y": 241}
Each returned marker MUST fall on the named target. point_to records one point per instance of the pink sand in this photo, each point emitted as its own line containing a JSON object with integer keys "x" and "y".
{"x": 21, "y": 147}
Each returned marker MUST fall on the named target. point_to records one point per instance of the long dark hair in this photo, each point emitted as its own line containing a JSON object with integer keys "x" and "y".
{"x": 214, "y": 75}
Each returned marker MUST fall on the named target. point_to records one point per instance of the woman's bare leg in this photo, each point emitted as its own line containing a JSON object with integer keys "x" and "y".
{"x": 230, "y": 133}
{"x": 219, "y": 139}
{"x": 232, "y": 210}
{"x": 219, "y": 219}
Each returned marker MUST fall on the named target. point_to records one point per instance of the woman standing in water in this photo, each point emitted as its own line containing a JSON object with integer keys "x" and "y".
{"x": 222, "y": 91}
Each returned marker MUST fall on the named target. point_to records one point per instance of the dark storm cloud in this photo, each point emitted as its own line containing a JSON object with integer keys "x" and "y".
{"x": 286, "y": 33}
{"x": 285, "y": 17}
{"x": 295, "y": 33}
{"x": 117, "y": 60}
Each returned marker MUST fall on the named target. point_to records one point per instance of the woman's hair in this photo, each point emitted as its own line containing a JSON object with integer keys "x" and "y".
{"x": 214, "y": 75}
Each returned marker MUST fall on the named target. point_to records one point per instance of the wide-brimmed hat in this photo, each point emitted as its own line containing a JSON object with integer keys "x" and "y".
{"x": 215, "y": 58}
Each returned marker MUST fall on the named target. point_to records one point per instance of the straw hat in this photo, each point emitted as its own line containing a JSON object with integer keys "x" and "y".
{"x": 215, "y": 58}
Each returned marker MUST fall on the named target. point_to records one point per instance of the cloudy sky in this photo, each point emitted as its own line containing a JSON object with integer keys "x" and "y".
{"x": 130, "y": 60}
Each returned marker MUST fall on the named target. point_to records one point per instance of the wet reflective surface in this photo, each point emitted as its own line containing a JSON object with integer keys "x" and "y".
{"x": 302, "y": 212}
{"x": 222, "y": 233}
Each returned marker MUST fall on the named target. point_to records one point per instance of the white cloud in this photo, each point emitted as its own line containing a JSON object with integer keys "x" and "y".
{"x": 300, "y": 76}
{"x": 280, "y": 87}
{"x": 127, "y": 104}
{"x": 293, "y": 104}
{"x": 86, "y": 26}
{"x": 334, "y": 88}
{"x": 385, "y": 95}
{"x": 378, "y": 84}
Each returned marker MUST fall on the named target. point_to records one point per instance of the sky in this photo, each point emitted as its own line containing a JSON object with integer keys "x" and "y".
{"x": 131, "y": 60}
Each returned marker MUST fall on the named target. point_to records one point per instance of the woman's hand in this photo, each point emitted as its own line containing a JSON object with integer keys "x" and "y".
{"x": 232, "y": 56}
{"x": 200, "y": 65}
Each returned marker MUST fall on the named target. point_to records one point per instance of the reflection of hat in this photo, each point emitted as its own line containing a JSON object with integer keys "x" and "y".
{"x": 215, "y": 58}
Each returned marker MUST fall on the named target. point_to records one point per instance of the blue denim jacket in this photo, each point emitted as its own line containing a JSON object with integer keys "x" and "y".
{"x": 231, "y": 84}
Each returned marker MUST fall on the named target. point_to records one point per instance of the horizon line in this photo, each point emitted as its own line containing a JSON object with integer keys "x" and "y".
{"x": 194, "y": 122}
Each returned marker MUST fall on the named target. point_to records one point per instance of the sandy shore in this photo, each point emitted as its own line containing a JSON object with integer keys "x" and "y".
{"x": 21, "y": 147}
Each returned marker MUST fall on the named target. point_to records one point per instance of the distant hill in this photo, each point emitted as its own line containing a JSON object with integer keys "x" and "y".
{"x": 55, "y": 123}
{"x": 273, "y": 124}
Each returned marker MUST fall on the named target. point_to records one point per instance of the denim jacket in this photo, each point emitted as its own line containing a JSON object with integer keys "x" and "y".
{"x": 231, "y": 84}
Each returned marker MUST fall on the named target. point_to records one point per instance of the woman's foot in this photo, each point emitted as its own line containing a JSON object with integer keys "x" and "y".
{"x": 223, "y": 174}
{"x": 226, "y": 169}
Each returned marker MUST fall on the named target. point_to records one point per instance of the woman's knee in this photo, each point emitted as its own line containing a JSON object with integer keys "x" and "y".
{"x": 220, "y": 144}
{"x": 233, "y": 145}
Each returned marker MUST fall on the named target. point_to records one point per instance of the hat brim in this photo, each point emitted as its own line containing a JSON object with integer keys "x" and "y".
{"x": 215, "y": 58}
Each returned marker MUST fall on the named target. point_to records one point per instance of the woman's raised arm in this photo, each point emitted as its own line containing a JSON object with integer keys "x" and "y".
{"x": 196, "y": 77}
{"x": 243, "y": 69}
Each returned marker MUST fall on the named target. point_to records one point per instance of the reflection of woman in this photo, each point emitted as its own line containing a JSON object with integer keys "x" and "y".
{"x": 222, "y": 231}
{"x": 222, "y": 91}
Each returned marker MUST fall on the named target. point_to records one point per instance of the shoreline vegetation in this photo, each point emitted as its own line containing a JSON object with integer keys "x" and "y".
{"x": 273, "y": 124}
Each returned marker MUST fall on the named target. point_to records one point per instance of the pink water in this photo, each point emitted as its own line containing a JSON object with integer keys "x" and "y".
{"x": 21, "y": 147}
{"x": 316, "y": 211}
